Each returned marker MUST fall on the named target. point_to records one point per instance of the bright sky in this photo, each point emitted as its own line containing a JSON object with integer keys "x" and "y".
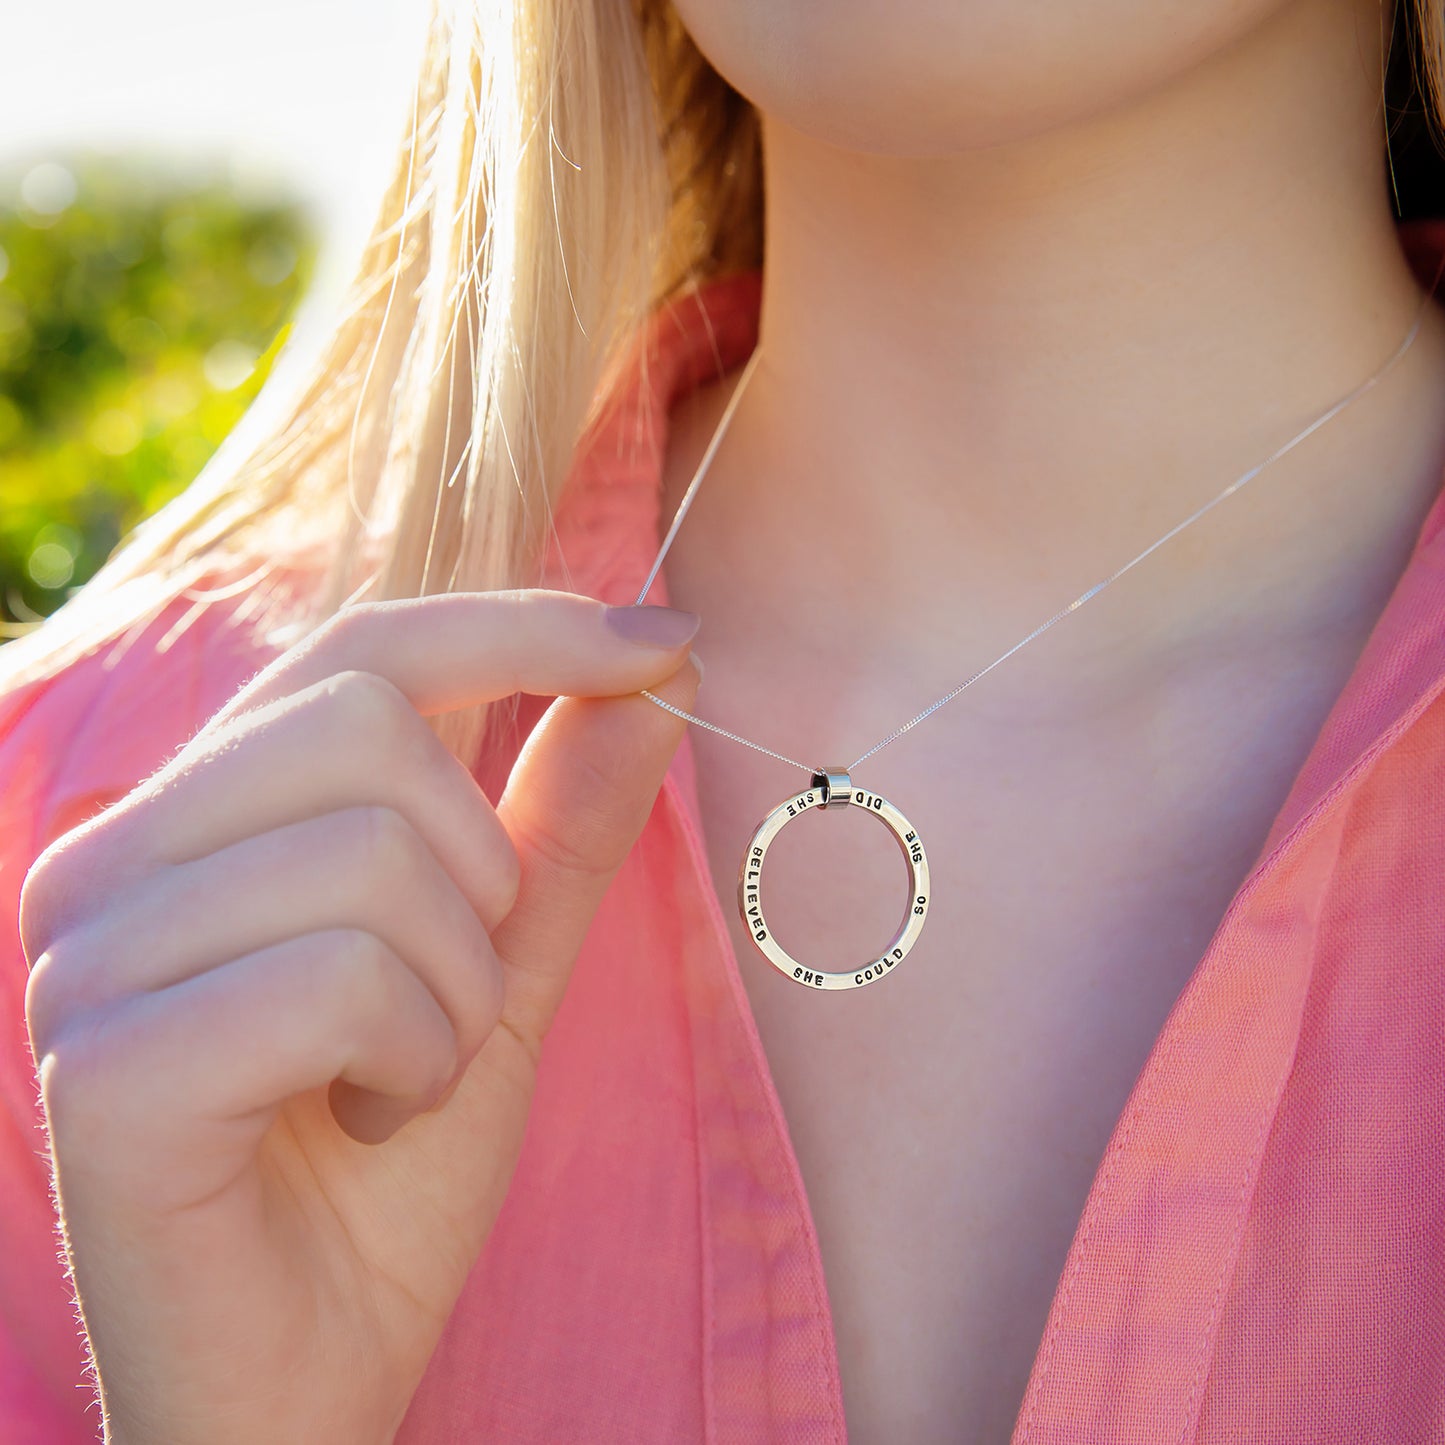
{"x": 316, "y": 91}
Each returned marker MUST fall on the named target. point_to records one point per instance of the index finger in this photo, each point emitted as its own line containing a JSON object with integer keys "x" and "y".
{"x": 448, "y": 650}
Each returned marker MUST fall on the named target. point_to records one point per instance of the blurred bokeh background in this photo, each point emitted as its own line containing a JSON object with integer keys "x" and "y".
{"x": 176, "y": 178}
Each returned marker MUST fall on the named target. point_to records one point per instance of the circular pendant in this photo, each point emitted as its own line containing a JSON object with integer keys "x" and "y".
{"x": 834, "y": 789}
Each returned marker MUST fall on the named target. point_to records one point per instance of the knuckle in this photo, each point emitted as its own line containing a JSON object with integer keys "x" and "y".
{"x": 600, "y": 774}
{"x": 418, "y": 756}
{"x": 377, "y": 990}
{"x": 565, "y": 849}
{"x": 39, "y": 892}
{"x": 371, "y": 705}
{"x": 388, "y": 846}
{"x": 50, "y": 892}
{"x": 357, "y": 967}
{"x": 353, "y": 978}
{"x": 48, "y": 992}
{"x": 367, "y": 700}
{"x": 590, "y": 840}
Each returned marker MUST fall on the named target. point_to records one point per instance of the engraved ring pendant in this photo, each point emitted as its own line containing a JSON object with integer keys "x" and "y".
{"x": 833, "y": 788}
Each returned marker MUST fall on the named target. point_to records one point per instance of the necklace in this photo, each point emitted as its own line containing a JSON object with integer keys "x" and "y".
{"x": 833, "y": 786}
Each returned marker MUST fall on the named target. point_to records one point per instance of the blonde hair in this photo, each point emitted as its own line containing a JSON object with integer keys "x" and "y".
{"x": 570, "y": 166}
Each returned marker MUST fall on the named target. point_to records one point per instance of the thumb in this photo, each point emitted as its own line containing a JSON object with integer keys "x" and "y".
{"x": 577, "y": 798}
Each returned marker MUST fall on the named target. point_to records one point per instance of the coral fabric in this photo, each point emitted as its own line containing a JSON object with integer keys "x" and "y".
{"x": 1261, "y": 1257}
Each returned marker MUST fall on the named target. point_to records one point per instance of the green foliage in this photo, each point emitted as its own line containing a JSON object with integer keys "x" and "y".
{"x": 140, "y": 310}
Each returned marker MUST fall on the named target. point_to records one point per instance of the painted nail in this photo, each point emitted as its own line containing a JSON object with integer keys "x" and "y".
{"x": 653, "y": 626}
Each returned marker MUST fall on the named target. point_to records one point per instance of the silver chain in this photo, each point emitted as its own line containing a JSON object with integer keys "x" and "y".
{"x": 1063, "y": 612}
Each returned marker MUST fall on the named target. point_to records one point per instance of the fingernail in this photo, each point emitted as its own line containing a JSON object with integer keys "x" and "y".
{"x": 653, "y": 626}
{"x": 697, "y": 663}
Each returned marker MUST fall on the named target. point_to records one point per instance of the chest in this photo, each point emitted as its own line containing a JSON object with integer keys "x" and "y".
{"x": 948, "y": 1121}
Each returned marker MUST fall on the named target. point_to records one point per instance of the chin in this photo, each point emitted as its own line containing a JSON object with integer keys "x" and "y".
{"x": 941, "y": 77}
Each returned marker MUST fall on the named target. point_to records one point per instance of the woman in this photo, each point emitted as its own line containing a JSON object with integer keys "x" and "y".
{"x": 406, "y": 1069}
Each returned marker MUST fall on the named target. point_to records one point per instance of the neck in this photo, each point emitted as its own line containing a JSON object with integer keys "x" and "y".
{"x": 988, "y": 379}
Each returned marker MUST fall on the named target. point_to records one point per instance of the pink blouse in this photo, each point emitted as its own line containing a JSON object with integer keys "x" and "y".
{"x": 1261, "y": 1256}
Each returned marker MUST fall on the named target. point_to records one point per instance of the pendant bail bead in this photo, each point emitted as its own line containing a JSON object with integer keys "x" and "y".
{"x": 836, "y": 786}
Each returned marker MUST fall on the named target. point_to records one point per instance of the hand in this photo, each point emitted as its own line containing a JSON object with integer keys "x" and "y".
{"x": 286, "y": 1000}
